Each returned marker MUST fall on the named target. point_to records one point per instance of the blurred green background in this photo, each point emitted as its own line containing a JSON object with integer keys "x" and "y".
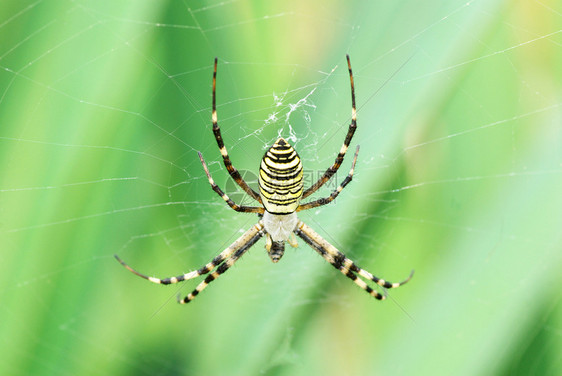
{"x": 104, "y": 105}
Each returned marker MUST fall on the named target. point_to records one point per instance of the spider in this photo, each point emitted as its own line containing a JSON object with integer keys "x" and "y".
{"x": 280, "y": 192}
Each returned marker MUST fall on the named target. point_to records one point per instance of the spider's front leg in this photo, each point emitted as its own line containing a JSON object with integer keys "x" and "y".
{"x": 256, "y": 234}
{"x": 222, "y": 262}
{"x": 343, "y": 264}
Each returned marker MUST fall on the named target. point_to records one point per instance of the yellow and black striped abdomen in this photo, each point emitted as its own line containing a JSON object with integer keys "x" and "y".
{"x": 281, "y": 178}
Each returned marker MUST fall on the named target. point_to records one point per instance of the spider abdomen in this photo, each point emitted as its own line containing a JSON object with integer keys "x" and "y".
{"x": 281, "y": 178}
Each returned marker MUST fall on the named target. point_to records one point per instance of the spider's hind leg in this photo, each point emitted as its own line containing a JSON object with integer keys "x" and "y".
{"x": 234, "y": 173}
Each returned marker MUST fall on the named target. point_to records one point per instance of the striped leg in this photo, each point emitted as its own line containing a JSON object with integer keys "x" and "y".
{"x": 232, "y": 204}
{"x": 342, "y": 263}
{"x": 217, "y": 132}
{"x": 336, "y": 192}
{"x": 339, "y": 159}
{"x": 222, "y": 268}
{"x": 240, "y": 243}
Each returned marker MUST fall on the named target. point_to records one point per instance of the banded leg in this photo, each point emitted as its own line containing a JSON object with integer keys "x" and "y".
{"x": 228, "y": 200}
{"x": 217, "y": 132}
{"x": 241, "y": 242}
{"x": 342, "y": 263}
{"x": 336, "y": 192}
{"x": 339, "y": 159}
{"x": 222, "y": 268}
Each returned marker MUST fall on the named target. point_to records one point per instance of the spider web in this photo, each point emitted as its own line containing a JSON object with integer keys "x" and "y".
{"x": 104, "y": 106}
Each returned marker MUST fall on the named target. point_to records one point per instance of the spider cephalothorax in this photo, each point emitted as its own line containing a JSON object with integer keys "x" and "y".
{"x": 280, "y": 192}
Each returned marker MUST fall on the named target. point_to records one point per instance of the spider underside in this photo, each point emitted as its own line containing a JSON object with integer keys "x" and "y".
{"x": 280, "y": 192}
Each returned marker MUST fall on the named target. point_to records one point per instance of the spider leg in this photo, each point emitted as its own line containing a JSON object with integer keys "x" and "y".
{"x": 339, "y": 159}
{"x": 222, "y": 268}
{"x": 232, "y": 204}
{"x": 217, "y": 132}
{"x": 342, "y": 263}
{"x": 336, "y": 192}
{"x": 255, "y": 232}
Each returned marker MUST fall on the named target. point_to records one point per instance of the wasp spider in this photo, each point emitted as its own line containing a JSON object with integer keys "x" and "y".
{"x": 280, "y": 193}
